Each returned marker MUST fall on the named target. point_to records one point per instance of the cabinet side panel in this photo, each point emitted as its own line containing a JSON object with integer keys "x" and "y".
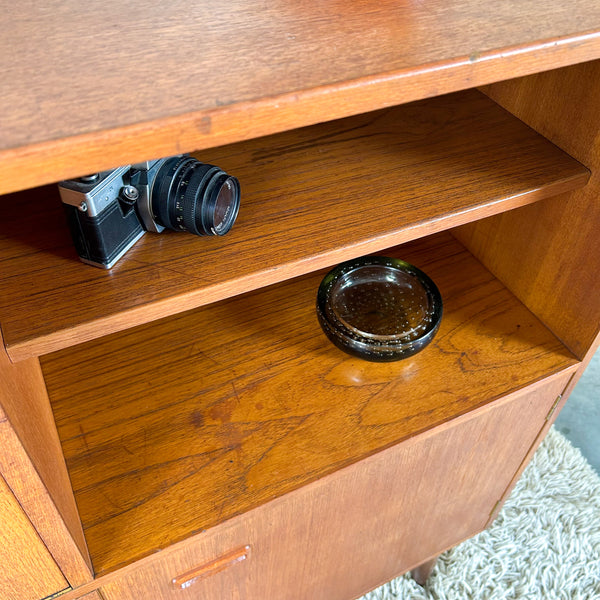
{"x": 353, "y": 530}
{"x": 28, "y": 572}
{"x": 33, "y": 465}
{"x": 548, "y": 253}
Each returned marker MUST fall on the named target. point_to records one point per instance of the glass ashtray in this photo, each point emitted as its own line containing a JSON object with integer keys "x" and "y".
{"x": 378, "y": 308}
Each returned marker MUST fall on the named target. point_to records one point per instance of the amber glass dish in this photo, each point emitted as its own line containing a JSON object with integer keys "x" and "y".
{"x": 378, "y": 308}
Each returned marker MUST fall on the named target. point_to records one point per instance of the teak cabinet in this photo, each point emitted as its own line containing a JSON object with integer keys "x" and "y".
{"x": 178, "y": 426}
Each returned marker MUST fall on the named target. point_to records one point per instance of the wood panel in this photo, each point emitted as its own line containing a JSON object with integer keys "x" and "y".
{"x": 95, "y": 595}
{"x": 174, "y": 427}
{"x": 557, "y": 406}
{"x": 28, "y": 571}
{"x": 33, "y": 465}
{"x": 549, "y": 254}
{"x": 310, "y": 198}
{"x": 344, "y": 535}
{"x": 171, "y": 84}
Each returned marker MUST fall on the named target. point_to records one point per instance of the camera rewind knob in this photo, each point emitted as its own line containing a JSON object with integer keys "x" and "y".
{"x": 128, "y": 196}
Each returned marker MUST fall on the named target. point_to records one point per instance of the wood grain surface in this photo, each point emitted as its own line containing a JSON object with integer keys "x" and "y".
{"x": 559, "y": 401}
{"x": 28, "y": 571}
{"x": 549, "y": 254}
{"x": 113, "y": 84}
{"x": 172, "y": 428}
{"x": 310, "y": 198}
{"x": 341, "y": 536}
{"x": 34, "y": 468}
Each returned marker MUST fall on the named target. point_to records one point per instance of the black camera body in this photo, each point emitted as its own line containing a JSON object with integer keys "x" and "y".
{"x": 108, "y": 212}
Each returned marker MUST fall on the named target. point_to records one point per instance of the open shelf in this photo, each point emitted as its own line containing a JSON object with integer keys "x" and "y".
{"x": 90, "y": 98}
{"x": 173, "y": 427}
{"x": 310, "y": 198}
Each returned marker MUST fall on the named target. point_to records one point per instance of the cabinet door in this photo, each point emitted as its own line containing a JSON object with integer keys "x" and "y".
{"x": 351, "y": 531}
{"x": 27, "y": 570}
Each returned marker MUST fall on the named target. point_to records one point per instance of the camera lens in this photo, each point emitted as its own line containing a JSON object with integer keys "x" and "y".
{"x": 225, "y": 200}
{"x": 188, "y": 195}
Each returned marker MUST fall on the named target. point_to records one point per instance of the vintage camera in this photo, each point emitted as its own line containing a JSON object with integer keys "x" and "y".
{"x": 108, "y": 212}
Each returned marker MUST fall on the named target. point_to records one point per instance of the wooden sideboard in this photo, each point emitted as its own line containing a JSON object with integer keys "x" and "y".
{"x": 179, "y": 426}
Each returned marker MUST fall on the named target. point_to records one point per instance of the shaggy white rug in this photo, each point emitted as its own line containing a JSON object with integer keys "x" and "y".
{"x": 545, "y": 543}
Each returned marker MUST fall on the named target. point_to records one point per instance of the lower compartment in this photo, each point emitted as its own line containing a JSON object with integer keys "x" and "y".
{"x": 176, "y": 427}
{"x": 343, "y": 535}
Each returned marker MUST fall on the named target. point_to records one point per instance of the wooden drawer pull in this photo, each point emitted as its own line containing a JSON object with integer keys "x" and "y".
{"x": 216, "y": 566}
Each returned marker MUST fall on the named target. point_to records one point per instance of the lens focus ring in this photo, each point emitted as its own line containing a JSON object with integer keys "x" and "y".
{"x": 195, "y": 196}
{"x": 166, "y": 189}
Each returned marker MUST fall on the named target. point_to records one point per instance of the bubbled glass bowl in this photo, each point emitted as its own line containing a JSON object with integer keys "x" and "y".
{"x": 379, "y": 308}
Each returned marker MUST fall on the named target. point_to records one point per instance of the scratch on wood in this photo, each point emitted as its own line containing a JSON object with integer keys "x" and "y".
{"x": 204, "y": 126}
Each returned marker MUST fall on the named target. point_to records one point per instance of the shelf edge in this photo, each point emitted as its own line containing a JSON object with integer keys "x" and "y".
{"x": 53, "y": 160}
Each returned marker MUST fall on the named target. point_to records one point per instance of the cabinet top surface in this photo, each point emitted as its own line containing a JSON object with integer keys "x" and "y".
{"x": 192, "y": 75}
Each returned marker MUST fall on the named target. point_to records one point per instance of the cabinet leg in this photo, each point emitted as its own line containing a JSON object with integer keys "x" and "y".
{"x": 421, "y": 573}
